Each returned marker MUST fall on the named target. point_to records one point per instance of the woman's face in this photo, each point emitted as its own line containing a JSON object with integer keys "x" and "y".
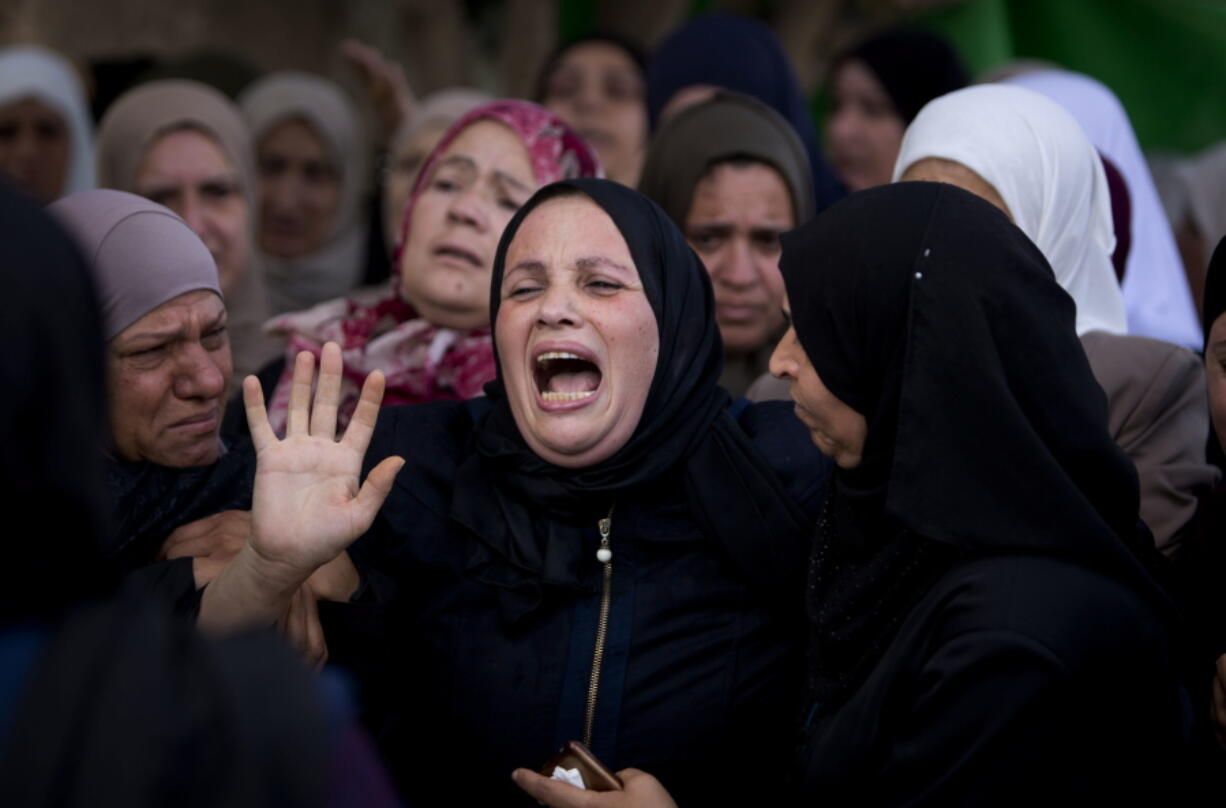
{"x": 34, "y": 148}
{"x": 736, "y": 216}
{"x": 938, "y": 169}
{"x": 576, "y": 336}
{"x": 473, "y": 190}
{"x": 835, "y": 428}
{"x": 187, "y": 171}
{"x": 300, "y": 190}
{"x": 864, "y": 130}
{"x": 167, "y": 375}
{"x": 597, "y": 89}
{"x": 1215, "y": 377}
{"x": 403, "y": 165}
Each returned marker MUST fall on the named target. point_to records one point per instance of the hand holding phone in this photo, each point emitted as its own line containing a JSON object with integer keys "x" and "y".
{"x": 575, "y": 756}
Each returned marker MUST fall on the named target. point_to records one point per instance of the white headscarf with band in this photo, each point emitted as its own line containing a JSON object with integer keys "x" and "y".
{"x": 1048, "y": 174}
{"x": 1156, "y": 292}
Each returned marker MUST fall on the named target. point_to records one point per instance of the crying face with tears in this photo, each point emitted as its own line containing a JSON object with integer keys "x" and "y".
{"x": 576, "y": 336}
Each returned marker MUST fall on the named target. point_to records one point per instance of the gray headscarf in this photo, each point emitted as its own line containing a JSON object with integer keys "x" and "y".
{"x": 336, "y": 268}
{"x": 139, "y": 253}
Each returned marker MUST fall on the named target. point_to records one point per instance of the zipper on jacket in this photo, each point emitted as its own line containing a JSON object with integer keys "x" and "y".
{"x": 605, "y": 556}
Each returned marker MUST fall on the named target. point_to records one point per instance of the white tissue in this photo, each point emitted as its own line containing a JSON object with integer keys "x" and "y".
{"x": 571, "y": 776}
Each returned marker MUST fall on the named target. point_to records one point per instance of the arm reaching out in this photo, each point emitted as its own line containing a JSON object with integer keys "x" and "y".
{"x": 307, "y": 506}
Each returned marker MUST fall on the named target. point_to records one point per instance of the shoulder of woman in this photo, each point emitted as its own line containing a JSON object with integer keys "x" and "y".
{"x": 776, "y": 432}
{"x": 429, "y": 436}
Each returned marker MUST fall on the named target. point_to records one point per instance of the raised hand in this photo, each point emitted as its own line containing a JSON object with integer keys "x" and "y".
{"x": 385, "y": 83}
{"x": 307, "y": 506}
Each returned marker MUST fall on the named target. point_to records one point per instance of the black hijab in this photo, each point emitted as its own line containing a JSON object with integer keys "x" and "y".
{"x": 924, "y": 309}
{"x": 530, "y": 518}
{"x": 913, "y": 66}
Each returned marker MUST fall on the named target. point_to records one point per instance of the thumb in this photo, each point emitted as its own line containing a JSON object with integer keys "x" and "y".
{"x": 376, "y": 488}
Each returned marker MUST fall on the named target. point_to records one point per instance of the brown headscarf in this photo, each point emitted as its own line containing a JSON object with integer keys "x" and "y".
{"x": 127, "y": 131}
{"x": 726, "y": 126}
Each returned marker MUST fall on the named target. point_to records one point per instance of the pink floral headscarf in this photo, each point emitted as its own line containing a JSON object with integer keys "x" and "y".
{"x": 423, "y": 362}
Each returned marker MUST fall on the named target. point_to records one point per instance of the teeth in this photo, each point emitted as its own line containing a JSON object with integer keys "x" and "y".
{"x": 567, "y": 396}
{"x": 545, "y": 357}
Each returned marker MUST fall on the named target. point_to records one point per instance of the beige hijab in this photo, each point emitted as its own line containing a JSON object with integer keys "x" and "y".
{"x": 131, "y": 125}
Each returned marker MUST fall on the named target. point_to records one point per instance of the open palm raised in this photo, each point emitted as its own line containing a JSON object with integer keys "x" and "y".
{"x": 307, "y": 506}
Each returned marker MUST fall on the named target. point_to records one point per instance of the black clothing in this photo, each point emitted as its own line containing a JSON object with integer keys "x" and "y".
{"x": 986, "y": 448}
{"x": 702, "y": 670}
{"x": 52, "y": 410}
{"x": 1015, "y": 680}
{"x": 131, "y": 707}
{"x": 486, "y": 557}
{"x": 511, "y": 499}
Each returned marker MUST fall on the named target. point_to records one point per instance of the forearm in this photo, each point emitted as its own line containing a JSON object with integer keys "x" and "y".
{"x": 249, "y": 591}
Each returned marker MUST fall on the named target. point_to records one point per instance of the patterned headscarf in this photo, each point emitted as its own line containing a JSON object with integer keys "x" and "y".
{"x": 424, "y": 362}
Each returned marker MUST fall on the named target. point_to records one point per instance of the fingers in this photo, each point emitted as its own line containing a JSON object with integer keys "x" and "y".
{"x": 327, "y": 393}
{"x": 554, "y": 792}
{"x": 257, "y": 415}
{"x": 362, "y": 425}
{"x": 300, "y": 394}
{"x": 376, "y": 488}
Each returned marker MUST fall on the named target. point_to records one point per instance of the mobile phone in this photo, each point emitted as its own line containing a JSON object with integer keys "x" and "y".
{"x": 574, "y": 755}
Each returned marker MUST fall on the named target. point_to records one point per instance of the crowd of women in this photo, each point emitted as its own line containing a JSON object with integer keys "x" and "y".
{"x": 880, "y": 473}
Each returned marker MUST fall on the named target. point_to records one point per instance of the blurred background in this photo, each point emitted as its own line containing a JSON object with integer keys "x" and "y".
{"x": 1164, "y": 58}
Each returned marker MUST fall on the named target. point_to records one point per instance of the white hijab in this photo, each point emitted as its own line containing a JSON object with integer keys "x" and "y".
{"x": 1037, "y": 158}
{"x": 336, "y": 268}
{"x": 1156, "y": 292}
{"x": 31, "y": 71}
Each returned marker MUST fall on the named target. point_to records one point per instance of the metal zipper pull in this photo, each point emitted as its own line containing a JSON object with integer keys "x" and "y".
{"x": 605, "y": 556}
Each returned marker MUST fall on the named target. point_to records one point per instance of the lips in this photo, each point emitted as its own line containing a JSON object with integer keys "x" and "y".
{"x": 459, "y": 254}
{"x": 566, "y": 376}
{"x": 200, "y": 422}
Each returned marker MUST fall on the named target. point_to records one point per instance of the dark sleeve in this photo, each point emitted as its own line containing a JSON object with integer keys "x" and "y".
{"x": 785, "y": 443}
{"x": 169, "y": 583}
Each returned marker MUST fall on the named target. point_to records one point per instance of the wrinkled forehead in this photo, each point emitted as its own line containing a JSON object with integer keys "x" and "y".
{"x": 572, "y": 229}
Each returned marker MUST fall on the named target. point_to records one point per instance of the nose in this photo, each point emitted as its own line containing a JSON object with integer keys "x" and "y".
{"x": 25, "y": 146}
{"x": 281, "y": 192}
{"x": 783, "y": 362}
{"x": 843, "y": 125}
{"x": 199, "y": 374}
{"x": 735, "y": 267}
{"x": 468, "y": 207}
{"x": 557, "y": 307}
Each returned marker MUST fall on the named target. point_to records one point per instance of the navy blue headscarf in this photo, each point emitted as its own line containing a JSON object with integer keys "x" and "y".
{"x": 743, "y": 55}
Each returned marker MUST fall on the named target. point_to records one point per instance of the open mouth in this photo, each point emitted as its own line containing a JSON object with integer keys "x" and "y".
{"x": 562, "y": 376}
{"x": 453, "y": 251}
